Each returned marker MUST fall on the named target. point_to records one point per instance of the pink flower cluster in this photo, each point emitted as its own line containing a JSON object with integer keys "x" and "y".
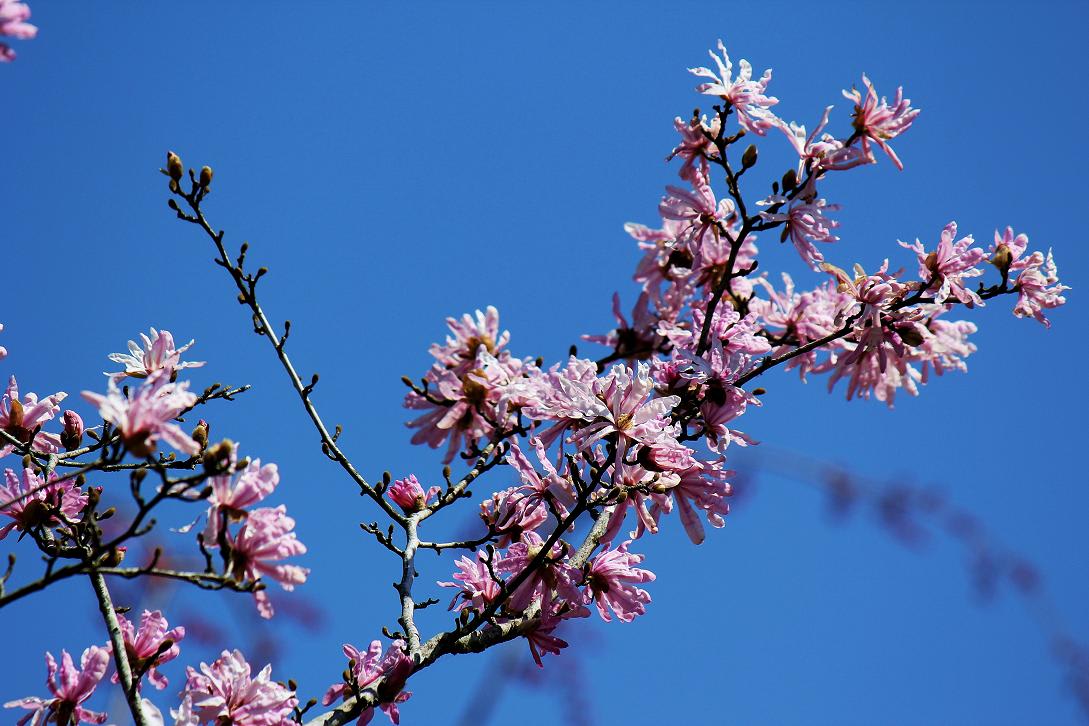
{"x": 13, "y": 24}
{"x": 365, "y": 668}
{"x": 226, "y": 692}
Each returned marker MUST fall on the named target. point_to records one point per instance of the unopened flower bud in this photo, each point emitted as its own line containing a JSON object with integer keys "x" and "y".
{"x": 72, "y": 434}
{"x": 205, "y": 176}
{"x": 218, "y": 457}
{"x": 116, "y": 556}
{"x": 1002, "y": 258}
{"x": 790, "y": 180}
{"x": 174, "y": 167}
{"x": 200, "y": 434}
{"x": 748, "y": 159}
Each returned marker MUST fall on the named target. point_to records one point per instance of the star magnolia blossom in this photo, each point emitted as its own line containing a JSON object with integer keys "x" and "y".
{"x": 225, "y": 694}
{"x": 13, "y": 17}
{"x": 1037, "y": 281}
{"x": 409, "y": 495}
{"x": 554, "y": 584}
{"x": 366, "y": 668}
{"x": 145, "y": 416}
{"x": 878, "y": 122}
{"x": 233, "y": 493}
{"x": 152, "y": 643}
{"x": 20, "y": 417}
{"x": 806, "y": 224}
{"x": 264, "y": 538}
{"x": 476, "y": 585}
{"x": 70, "y": 687}
{"x": 745, "y": 95}
{"x": 471, "y": 335}
{"x": 610, "y": 579}
{"x": 156, "y": 354}
{"x": 36, "y": 504}
{"x": 949, "y": 265}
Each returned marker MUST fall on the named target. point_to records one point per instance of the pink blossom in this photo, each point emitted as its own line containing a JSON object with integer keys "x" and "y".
{"x": 945, "y": 346}
{"x": 471, "y": 335}
{"x": 152, "y": 643}
{"x": 462, "y": 409}
{"x": 513, "y": 511}
{"x": 806, "y": 224}
{"x": 224, "y": 693}
{"x": 35, "y": 504}
{"x": 698, "y": 212}
{"x": 618, "y": 403}
{"x": 1038, "y": 288}
{"x": 13, "y": 17}
{"x": 610, "y": 579}
{"x": 233, "y": 493}
{"x": 822, "y": 152}
{"x": 702, "y": 487}
{"x": 696, "y": 145}
{"x": 947, "y": 266}
{"x": 20, "y": 418}
{"x": 476, "y": 586}
{"x": 264, "y": 538}
{"x": 719, "y": 408}
{"x": 409, "y": 495}
{"x": 156, "y": 354}
{"x": 642, "y": 491}
{"x": 554, "y": 583}
{"x": 744, "y": 94}
{"x": 555, "y": 485}
{"x": 542, "y": 641}
{"x": 70, "y": 687}
{"x": 366, "y": 668}
{"x": 877, "y": 121}
{"x": 145, "y": 416}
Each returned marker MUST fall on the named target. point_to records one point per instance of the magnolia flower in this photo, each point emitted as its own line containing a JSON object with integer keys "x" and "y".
{"x": 513, "y": 511}
{"x": 822, "y": 152}
{"x": 696, "y": 144}
{"x": 224, "y": 693}
{"x": 946, "y": 267}
{"x": 366, "y": 668}
{"x": 33, "y": 503}
{"x": 1038, "y": 288}
{"x": 70, "y": 687}
{"x": 157, "y": 354}
{"x": 610, "y": 579}
{"x": 806, "y": 224}
{"x": 701, "y": 487}
{"x": 264, "y": 538}
{"x": 13, "y": 17}
{"x": 542, "y": 641}
{"x": 697, "y": 210}
{"x": 145, "y": 416}
{"x": 637, "y": 340}
{"x": 477, "y": 586}
{"x": 471, "y": 335}
{"x": 409, "y": 495}
{"x": 554, "y": 583}
{"x": 152, "y": 643}
{"x": 19, "y": 418}
{"x": 643, "y": 491}
{"x": 745, "y": 95}
{"x": 877, "y": 121}
{"x": 232, "y": 494}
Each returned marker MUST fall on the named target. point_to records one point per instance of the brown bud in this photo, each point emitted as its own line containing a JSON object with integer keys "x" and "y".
{"x": 200, "y": 434}
{"x": 748, "y": 159}
{"x": 910, "y": 335}
{"x": 174, "y": 168}
{"x": 790, "y": 180}
{"x": 205, "y": 176}
{"x": 115, "y": 557}
{"x": 1002, "y": 258}
{"x": 219, "y": 456}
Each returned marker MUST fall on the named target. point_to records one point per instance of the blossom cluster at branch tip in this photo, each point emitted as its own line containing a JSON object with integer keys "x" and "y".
{"x": 13, "y": 24}
{"x": 157, "y": 353}
{"x": 145, "y": 416}
{"x": 227, "y": 692}
{"x": 70, "y": 688}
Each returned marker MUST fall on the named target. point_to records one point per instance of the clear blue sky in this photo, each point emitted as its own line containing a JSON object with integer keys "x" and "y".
{"x": 393, "y": 166}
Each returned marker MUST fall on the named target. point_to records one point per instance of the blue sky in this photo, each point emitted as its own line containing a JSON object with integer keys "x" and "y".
{"x": 394, "y": 165}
